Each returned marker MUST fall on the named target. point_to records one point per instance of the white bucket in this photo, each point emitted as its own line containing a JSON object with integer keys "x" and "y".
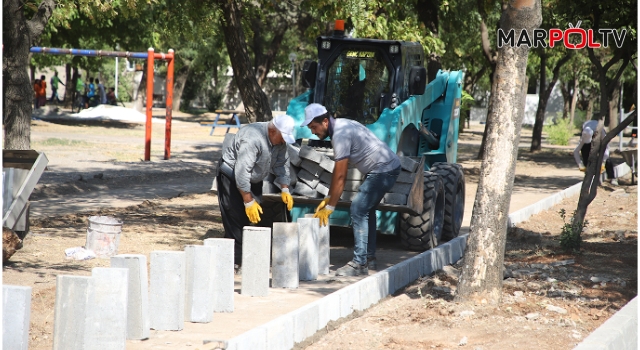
{"x": 103, "y": 235}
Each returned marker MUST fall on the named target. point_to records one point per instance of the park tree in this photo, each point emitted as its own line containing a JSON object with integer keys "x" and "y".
{"x": 19, "y": 33}
{"x": 481, "y": 278}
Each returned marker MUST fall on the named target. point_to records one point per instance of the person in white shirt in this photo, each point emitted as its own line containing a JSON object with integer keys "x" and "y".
{"x": 581, "y": 152}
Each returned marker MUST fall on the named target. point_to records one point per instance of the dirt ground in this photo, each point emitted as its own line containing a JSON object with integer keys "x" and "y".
{"x": 102, "y": 161}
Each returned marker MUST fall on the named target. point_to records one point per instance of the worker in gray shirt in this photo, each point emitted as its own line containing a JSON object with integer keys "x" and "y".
{"x": 584, "y": 149}
{"x": 256, "y": 150}
{"x": 353, "y": 143}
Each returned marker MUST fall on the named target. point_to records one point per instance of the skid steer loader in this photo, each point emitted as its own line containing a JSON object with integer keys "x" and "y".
{"x": 383, "y": 85}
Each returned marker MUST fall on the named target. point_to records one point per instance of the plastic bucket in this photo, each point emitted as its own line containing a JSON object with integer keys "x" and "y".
{"x": 103, "y": 235}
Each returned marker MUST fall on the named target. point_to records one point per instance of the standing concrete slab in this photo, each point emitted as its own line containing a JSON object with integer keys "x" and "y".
{"x": 16, "y": 315}
{"x": 109, "y": 312}
{"x": 72, "y": 312}
{"x": 308, "y": 248}
{"x": 138, "y": 294}
{"x": 200, "y": 279}
{"x": 256, "y": 244}
{"x": 167, "y": 290}
{"x": 223, "y": 273}
{"x": 324, "y": 248}
{"x": 284, "y": 255}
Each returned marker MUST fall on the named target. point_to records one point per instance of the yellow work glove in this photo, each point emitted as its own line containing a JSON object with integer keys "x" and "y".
{"x": 286, "y": 198}
{"x": 323, "y": 214}
{"x": 582, "y": 167}
{"x": 253, "y": 210}
{"x": 322, "y": 204}
{"x": 602, "y": 169}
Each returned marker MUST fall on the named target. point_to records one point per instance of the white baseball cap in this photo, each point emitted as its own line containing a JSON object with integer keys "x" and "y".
{"x": 285, "y": 124}
{"x": 312, "y": 111}
{"x": 587, "y": 135}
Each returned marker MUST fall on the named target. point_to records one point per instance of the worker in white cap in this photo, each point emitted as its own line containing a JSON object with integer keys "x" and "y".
{"x": 584, "y": 148}
{"x": 355, "y": 144}
{"x": 256, "y": 150}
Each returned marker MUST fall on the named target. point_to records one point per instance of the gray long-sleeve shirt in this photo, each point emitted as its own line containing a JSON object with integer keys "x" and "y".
{"x": 251, "y": 156}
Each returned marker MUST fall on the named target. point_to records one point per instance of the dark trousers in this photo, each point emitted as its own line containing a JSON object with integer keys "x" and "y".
{"x": 234, "y": 217}
{"x": 608, "y": 165}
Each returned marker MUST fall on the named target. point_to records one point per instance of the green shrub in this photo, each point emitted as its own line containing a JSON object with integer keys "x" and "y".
{"x": 570, "y": 240}
{"x": 560, "y": 132}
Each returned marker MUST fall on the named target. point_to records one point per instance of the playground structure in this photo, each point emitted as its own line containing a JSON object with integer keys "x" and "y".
{"x": 150, "y": 56}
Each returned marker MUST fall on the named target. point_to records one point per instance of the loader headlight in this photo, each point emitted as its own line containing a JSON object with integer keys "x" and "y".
{"x": 326, "y": 44}
{"x": 394, "y": 49}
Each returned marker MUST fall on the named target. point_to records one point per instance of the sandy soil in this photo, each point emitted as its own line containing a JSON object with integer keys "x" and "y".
{"x": 96, "y": 169}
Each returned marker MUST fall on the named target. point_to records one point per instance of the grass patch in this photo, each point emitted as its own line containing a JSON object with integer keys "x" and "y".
{"x": 560, "y": 132}
{"x": 60, "y": 142}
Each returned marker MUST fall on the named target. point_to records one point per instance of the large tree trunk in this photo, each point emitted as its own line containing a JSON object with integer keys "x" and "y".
{"x": 256, "y": 103}
{"x": 180, "y": 80}
{"x": 18, "y": 35}
{"x": 545, "y": 93}
{"x": 481, "y": 279}
{"x": 565, "y": 90}
{"x": 141, "y": 94}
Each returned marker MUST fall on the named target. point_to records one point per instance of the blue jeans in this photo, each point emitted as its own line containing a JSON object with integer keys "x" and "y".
{"x": 363, "y": 212}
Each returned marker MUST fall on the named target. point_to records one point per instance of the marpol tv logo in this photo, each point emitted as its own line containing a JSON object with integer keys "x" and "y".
{"x": 572, "y": 38}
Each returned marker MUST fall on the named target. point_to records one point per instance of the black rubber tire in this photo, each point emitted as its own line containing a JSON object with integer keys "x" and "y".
{"x": 423, "y": 232}
{"x": 454, "y": 188}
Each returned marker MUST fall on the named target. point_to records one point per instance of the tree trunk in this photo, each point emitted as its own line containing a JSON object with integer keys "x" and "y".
{"x": 545, "y": 93}
{"x": 256, "y": 103}
{"x": 607, "y": 85}
{"x": 589, "y": 114}
{"x": 614, "y": 105}
{"x": 574, "y": 99}
{"x": 141, "y": 94}
{"x": 565, "y": 89}
{"x": 481, "y": 278}
{"x": 19, "y": 34}
{"x": 591, "y": 181}
{"x": 69, "y": 86}
{"x": 180, "y": 80}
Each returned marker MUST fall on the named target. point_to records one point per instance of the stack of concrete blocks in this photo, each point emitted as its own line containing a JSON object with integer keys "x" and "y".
{"x": 137, "y": 294}
{"x": 399, "y": 193}
{"x": 167, "y": 290}
{"x": 200, "y": 279}
{"x": 16, "y": 315}
{"x": 308, "y": 249}
{"x": 324, "y": 248}
{"x": 311, "y": 167}
{"x": 222, "y": 296}
{"x": 284, "y": 255}
{"x": 256, "y": 249}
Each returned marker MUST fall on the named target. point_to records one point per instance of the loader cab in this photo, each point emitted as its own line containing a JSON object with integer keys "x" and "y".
{"x": 359, "y": 78}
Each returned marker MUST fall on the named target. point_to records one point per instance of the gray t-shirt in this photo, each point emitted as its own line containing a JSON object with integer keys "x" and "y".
{"x": 252, "y": 157}
{"x": 365, "y": 151}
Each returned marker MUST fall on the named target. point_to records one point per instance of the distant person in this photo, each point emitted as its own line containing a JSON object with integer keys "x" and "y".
{"x": 80, "y": 88}
{"x": 101, "y": 93}
{"x": 111, "y": 97}
{"x": 91, "y": 93}
{"x": 54, "y": 86}
{"x": 40, "y": 88}
{"x": 584, "y": 148}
